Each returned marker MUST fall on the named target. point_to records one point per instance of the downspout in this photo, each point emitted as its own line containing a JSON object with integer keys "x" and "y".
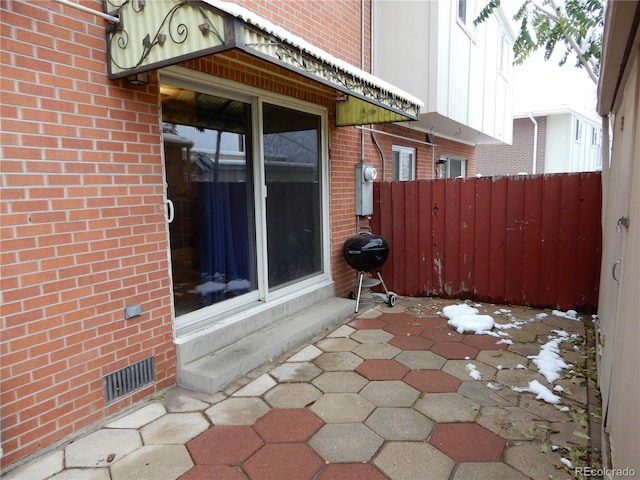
{"x": 535, "y": 143}
{"x": 362, "y": 67}
{"x": 605, "y": 153}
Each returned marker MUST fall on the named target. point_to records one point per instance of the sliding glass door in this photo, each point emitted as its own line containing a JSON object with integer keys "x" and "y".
{"x": 244, "y": 181}
{"x": 207, "y": 143}
{"x": 292, "y": 176}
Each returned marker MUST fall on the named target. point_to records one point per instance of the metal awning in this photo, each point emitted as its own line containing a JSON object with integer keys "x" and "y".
{"x": 159, "y": 33}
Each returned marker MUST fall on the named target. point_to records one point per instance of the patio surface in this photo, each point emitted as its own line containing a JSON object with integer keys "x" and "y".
{"x": 394, "y": 393}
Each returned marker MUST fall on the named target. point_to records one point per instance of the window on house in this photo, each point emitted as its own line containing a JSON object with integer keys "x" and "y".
{"x": 452, "y": 167}
{"x": 462, "y": 11}
{"x": 504, "y": 53}
{"x": 465, "y": 16}
{"x": 595, "y": 137}
{"x": 404, "y": 164}
{"x": 578, "y": 136}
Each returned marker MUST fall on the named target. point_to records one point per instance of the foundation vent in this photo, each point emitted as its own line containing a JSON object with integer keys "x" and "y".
{"x": 129, "y": 379}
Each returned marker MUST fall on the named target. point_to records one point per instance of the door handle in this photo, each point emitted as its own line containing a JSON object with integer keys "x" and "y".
{"x": 170, "y": 211}
{"x": 614, "y": 270}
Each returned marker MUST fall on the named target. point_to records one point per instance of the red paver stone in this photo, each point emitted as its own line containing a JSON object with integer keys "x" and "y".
{"x": 382, "y": 369}
{"x": 411, "y": 342}
{"x": 428, "y": 322}
{"x": 224, "y": 445}
{"x": 442, "y": 333}
{"x": 398, "y": 318}
{"x": 288, "y": 425}
{"x": 351, "y": 471}
{"x": 283, "y": 461}
{"x": 467, "y": 442}
{"x": 484, "y": 342}
{"x": 213, "y": 472}
{"x": 404, "y": 329}
{"x": 432, "y": 381}
{"x": 367, "y": 324}
{"x": 454, "y": 350}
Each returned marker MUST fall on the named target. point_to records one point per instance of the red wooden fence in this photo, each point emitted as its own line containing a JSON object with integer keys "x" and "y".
{"x": 520, "y": 240}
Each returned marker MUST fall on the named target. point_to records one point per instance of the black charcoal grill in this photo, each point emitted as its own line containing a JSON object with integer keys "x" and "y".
{"x": 366, "y": 253}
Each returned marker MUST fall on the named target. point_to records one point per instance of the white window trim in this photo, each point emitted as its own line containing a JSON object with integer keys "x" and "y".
{"x": 412, "y": 151}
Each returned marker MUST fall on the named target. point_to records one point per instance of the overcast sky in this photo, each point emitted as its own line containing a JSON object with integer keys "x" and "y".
{"x": 541, "y": 85}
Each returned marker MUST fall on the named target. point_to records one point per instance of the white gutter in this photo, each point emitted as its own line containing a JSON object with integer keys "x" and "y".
{"x": 535, "y": 143}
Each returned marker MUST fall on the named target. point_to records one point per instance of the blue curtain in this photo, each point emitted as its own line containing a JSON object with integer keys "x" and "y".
{"x": 224, "y": 241}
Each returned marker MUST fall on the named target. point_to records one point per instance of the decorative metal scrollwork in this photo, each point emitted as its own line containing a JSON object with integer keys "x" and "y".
{"x": 320, "y": 69}
{"x": 176, "y": 30}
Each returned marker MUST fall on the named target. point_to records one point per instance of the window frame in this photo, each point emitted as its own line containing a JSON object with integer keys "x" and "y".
{"x": 396, "y": 171}
{"x": 205, "y": 83}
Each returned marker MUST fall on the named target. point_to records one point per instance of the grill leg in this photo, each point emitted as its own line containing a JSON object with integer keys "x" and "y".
{"x": 383, "y": 285}
{"x": 359, "y": 290}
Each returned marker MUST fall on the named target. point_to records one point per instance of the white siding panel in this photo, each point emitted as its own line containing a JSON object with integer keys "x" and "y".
{"x": 401, "y": 45}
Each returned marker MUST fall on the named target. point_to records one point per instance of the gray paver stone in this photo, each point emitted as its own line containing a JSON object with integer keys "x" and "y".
{"x": 513, "y": 423}
{"x": 256, "y": 387}
{"x": 372, "y": 336}
{"x": 295, "y": 372}
{"x": 337, "y": 361}
{"x": 378, "y": 351}
{"x": 237, "y": 411}
{"x": 342, "y": 408}
{"x": 486, "y": 471}
{"x": 340, "y": 382}
{"x": 140, "y": 417}
{"x": 157, "y": 462}
{"x": 94, "y": 449}
{"x": 400, "y": 424}
{"x": 83, "y": 474}
{"x": 518, "y": 377}
{"x": 527, "y": 459}
{"x": 421, "y": 360}
{"x": 179, "y": 400}
{"x": 504, "y": 358}
{"x": 394, "y": 393}
{"x": 483, "y": 395}
{"x": 292, "y": 395}
{"x": 174, "y": 428}
{"x": 342, "y": 331}
{"x": 39, "y": 468}
{"x": 413, "y": 460}
{"x": 346, "y": 443}
{"x": 339, "y": 344}
{"x": 447, "y": 407}
{"x": 307, "y": 354}
{"x": 458, "y": 368}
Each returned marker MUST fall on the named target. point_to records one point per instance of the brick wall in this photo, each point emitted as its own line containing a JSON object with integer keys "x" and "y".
{"x": 83, "y": 220}
{"x": 518, "y": 157}
{"x": 83, "y": 227}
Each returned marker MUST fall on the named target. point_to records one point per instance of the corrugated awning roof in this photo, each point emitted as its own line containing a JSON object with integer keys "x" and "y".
{"x": 160, "y": 33}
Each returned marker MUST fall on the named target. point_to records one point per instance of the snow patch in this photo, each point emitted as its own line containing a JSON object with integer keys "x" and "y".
{"x": 467, "y": 319}
{"x": 541, "y": 392}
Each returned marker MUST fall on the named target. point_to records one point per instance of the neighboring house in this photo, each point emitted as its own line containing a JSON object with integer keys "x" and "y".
{"x": 463, "y": 73}
{"x": 548, "y": 141}
{"x": 618, "y": 325}
{"x": 190, "y": 182}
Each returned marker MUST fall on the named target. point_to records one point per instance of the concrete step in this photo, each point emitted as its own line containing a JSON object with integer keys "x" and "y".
{"x": 212, "y": 372}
